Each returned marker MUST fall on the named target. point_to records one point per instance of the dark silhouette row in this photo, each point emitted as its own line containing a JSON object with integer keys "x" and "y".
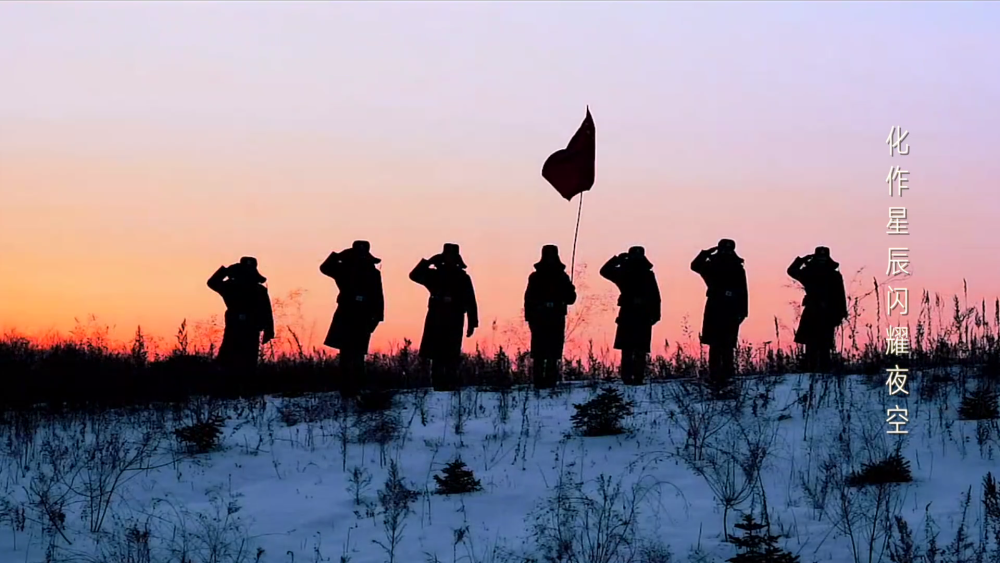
{"x": 550, "y": 292}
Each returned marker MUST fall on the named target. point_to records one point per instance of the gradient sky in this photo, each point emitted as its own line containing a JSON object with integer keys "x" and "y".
{"x": 127, "y": 130}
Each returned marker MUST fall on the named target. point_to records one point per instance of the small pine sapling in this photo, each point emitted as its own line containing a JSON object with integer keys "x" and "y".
{"x": 756, "y": 546}
{"x": 457, "y": 479}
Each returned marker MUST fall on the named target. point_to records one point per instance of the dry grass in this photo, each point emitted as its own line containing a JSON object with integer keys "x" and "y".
{"x": 87, "y": 367}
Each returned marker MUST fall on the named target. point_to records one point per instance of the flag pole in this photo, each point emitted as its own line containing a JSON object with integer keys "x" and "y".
{"x": 576, "y": 233}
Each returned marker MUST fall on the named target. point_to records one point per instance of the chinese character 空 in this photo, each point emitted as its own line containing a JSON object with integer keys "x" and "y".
{"x": 898, "y": 260}
{"x": 898, "y": 177}
{"x": 899, "y": 297}
{"x": 898, "y": 225}
{"x": 902, "y": 414}
{"x": 897, "y": 380}
{"x": 895, "y": 141}
{"x": 898, "y": 340}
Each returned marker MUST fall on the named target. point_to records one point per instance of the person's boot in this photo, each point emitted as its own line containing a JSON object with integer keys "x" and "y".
{"x": 626, "y": 367}
{"x": 723, "y": 382}
{"x": 823, "y": 361}
{"x": 807, "y": 360}
{"x": 543, "y": 373}
{"x": 454, "y": 381}
{"x": 229, "y": 374}
{"x": 247, "y": 373}
{"x": 348, "y": 378}
{"x": 361, "y": 381}
{"x": 437, "y": 377}
{"x": 638, "y": 369}
{"x": 537, "y": 376}
{"x": 443, "y": 376}
{"x": 427, "y": 370}
{"x": 713, "y": 365}
{"x": 553, "y": 373}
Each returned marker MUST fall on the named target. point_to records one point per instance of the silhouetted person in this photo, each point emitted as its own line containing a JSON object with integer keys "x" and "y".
{"x": 639, "y": 310}
{"x": 823, "y": 308}
{"x": 452, "y": 297}
{"x": 360, "y": 309}
{"x": 546, "y": 299}
{"x": 248, "y": 314}
{"x": 725, "y": 308}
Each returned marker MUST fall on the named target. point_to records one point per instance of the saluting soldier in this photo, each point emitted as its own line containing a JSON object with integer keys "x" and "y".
{"x": 452, "y": 298}
{"x": 248, "y": 315}
{"x": 824, "y": 307}
{"x": 546, "y": 300}
{"x": 725, "y": 307}
{"x": 360, "y": 309}
{"x": 639, "y": 310}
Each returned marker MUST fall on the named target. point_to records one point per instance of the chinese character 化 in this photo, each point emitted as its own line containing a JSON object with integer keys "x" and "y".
{"x": 898, "y": 340}
{"x": 897, "y": 380}
{"x": 894, "y": 300}
{"x": 898, "y": 225}
{"x": 895, "y": 141}
{"x": 899, "y": 177}
{"x": 902, "y": 414}
{"x": 898, "y": 260}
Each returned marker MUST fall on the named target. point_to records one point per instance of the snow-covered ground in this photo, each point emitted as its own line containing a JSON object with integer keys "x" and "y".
{"x": 285, "y": 485}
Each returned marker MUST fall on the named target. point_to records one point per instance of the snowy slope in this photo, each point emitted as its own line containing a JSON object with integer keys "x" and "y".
{"x": 296, "y": 502}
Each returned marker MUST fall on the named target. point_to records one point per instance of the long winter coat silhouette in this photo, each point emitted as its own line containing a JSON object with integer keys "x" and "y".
{"x": 639, "y": 302}
{"x": 361, "y": 302}
{"x": 248, "y": 313}
{"x": 550, "y": 291}
{"x": 825, "y": 304}
{"x": 452, "y": 298}
{"x": 727, "y": 299}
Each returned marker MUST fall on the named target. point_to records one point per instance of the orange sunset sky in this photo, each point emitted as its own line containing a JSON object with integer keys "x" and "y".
{"x": 142, "y": 145}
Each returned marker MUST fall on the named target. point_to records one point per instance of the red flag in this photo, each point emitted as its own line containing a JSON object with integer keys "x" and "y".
{"x": 571, "y": 170}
